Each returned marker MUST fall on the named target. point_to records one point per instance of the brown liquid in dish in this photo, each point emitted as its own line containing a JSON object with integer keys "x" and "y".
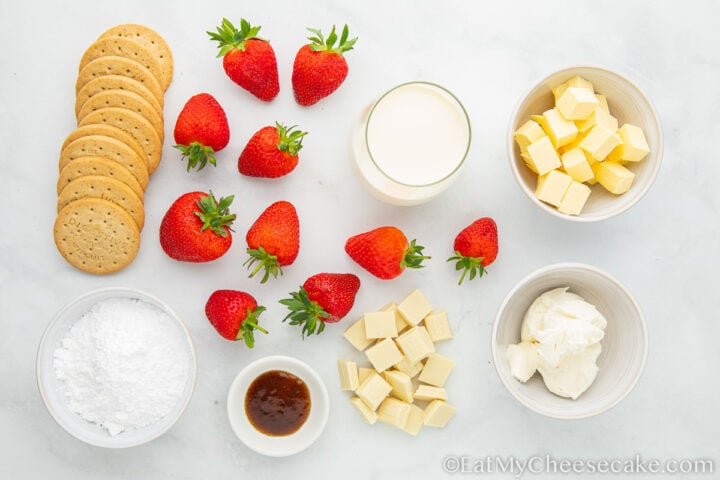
{"x": 277, "y": 403}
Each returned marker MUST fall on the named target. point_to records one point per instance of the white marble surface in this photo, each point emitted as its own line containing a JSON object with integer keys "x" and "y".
{"x": 665, "y": 249}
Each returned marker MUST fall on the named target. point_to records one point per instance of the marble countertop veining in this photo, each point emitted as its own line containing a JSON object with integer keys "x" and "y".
{"x": 665, "y": 249}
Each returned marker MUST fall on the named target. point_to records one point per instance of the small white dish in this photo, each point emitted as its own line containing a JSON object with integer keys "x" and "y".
{"x": 627, "y": 103}
{"x": 624, "y": 347}
{"x": 278, "y": 446}
{"x": 52, "y": 389}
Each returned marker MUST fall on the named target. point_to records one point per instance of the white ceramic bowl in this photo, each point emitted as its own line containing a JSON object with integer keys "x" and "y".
{"x": 624, "y": 347}
{"x": 52, "y": 390}
{"x": 628, "y": 104}
{"x": 280, "y": 446}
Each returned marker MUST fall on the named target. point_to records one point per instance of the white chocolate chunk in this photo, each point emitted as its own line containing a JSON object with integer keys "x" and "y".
{"x": 368, "y": 415}
{"x": 363, "y": 373}
{"x": 380, "y": 325}
{"x": 438, "y": 326}
{"x": 438, "y": 413}
{"x": 411, "y": 369}
{"x": 415, "y": 344}
{"x": 426, "y": 393}
{"x": 394, "y": 412}
{"x": 400, "y": 324}
{"x": 414, "y": 307}
{"x": 348, "y": 375}
{"x": 355, "y": 334}
{"x": 383, "y": 355}
{"x": 415, "y": 420}
{"x": 373, "y": 391}
{"x": 401, "y": 385}
{"x": 437, "y": 369}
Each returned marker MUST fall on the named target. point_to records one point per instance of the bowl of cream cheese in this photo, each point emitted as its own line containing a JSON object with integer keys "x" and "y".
{"x": 569, "y": 341}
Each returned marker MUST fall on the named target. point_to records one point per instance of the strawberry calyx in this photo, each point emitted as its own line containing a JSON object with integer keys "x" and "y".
{"x": 230, "y": 38}
{"x": 246, "y": 332}
{"x": 265, "y": 260}
{"x": 305, "y": 312}
{"x": 198, "y": 155}
{"x": 290, "y": 141}
{"x": 320, "y": 44}
{"x": 473, "y": 265}
{"x": 215, "y": 215}
{"x": 413, "y": 256}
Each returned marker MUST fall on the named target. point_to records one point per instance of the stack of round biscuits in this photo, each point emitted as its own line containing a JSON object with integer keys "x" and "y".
{"x": 106, "y": 162}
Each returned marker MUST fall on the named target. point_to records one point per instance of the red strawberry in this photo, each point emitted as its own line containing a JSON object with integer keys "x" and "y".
{"x": 323, "y": 298}
{"x": 273, "y": 240}
{"x": 196, "y": 228}
{"x": 234, "y": 315}
{"x": 248, "y": 59}
{"x": 476, "y": 247}
{"x": 201, "y": 130}
{"x": 272, "y": 152}
{"x": 384, "y": 252}
{"x": 320, "y": 67}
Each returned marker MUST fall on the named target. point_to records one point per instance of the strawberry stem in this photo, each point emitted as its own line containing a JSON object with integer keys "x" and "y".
{"x": 290, "y": 141}
{"x": 413, "y": 256}
{"x": 320, "y": 44}
{"x": 197, "y": 154}
{"x": 265, "y": 261}
{"x": 230, "y": 38}
{"x": 248, "y": 326}
{"x": 473, "y": 265}
{"x": 215, "y": 215}
{"x": 305, "y": 312}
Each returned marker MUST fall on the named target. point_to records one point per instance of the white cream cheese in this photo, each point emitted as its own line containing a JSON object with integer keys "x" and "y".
{"x": 560, "y": 335}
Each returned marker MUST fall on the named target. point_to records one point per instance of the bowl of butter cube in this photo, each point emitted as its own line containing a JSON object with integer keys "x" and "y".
{"x": 585, "y": 144}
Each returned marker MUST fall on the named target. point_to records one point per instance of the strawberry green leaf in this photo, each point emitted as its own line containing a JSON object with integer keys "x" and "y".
{"x": 320, "y": 44}
{"x": 413, "y": 256}
{"x": 230, "y": 38}
{"x": 215, "y": 215}
{"x": 265, "y": 261}
{"x": 249, "y": 325}
{"x": 197, "y": 154}
{"x": 290, "y": 141}
{"x": 472, "y": 265}
{"x": 305, "y": 312}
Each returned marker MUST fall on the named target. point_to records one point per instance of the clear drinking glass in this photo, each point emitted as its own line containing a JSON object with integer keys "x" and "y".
{"x": 409, "y": 145}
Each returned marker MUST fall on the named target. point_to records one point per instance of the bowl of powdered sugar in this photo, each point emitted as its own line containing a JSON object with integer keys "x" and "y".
{"x": 116, "y": 367}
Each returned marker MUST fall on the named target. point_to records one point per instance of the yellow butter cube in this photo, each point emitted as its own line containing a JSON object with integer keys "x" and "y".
{"x": 599, "y": 115}
{"x": 528, "y": 162}
{"x": 543, "y": 156}
{"x": 438, "y": 326}
{"x": 409, "y": 368}
{"x": 574, "y": 199}
{"x": 634, "y": 144}
{"x": 438, "y": 413}
{"x": 400, "y": 324}
{"x": 560, "y": 130}
{"x": 426, "y": 393}
{"x": 576, "y": 165}
{"x": 383, "y": 355}
{"x": 415, "y": 344}
{"x": 394, "y": 412}
{"x": 414, "y": 307}
{"x": 600, "y": 142}
{"x": 437, "y": 369}
{"x": 401, "y": 385}
{"x": 368, "y": 415}
{"x": 348, "y": 375}
{"x": 602, "y": 99}
{"x": 355, "y": 334}
{"x": 363, "y": 373}
{"x": 613, "y": 177}
{"x": 380, "y": 325}
{"x": 552, "y": 186}
{"x": 415, "y": 420}
{"x": 528, "y": 133}
{"x": 576, "y": 81}
{"x": 373, "y": 391}
{"x": 577, "y": 103}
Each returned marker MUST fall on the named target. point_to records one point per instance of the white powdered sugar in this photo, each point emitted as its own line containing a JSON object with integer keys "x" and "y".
{"x": 124, "y": 364}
